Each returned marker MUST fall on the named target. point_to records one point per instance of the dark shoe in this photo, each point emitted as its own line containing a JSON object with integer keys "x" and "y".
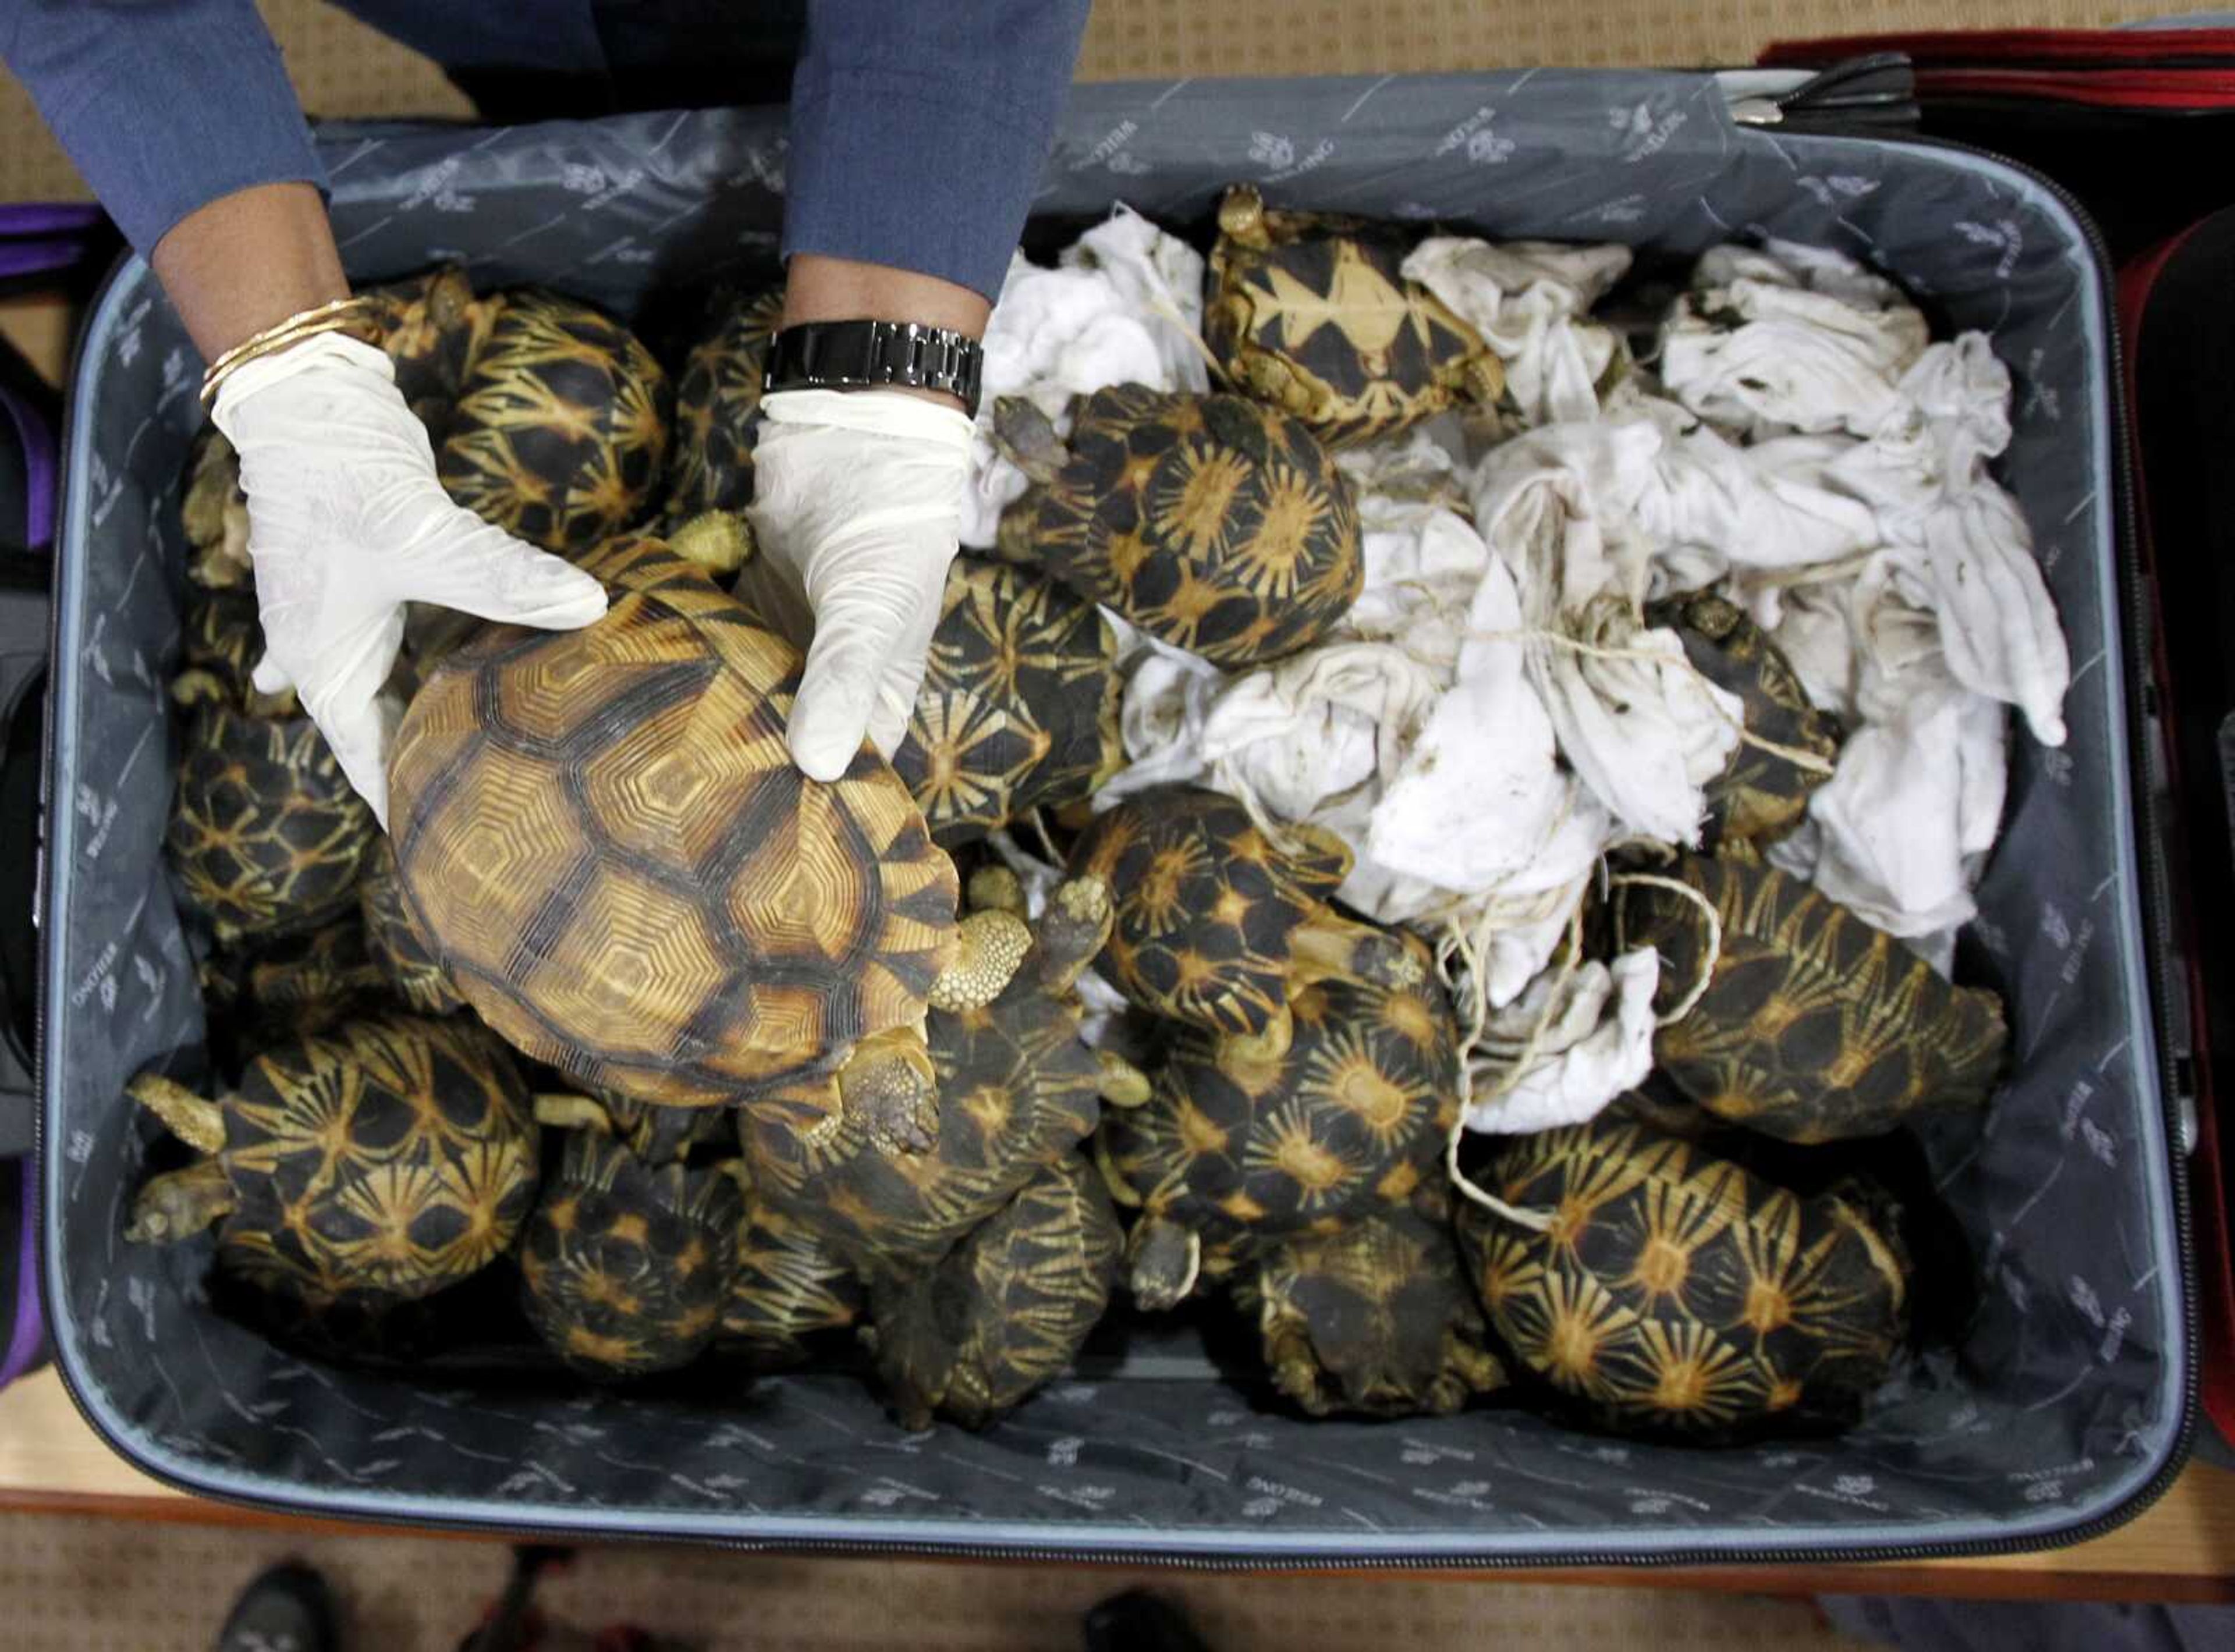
{"x": 1139, "y": 1622}
{"x": 289, "y": 1608}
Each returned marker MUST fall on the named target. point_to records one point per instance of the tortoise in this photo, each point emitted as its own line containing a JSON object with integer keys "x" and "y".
{"x": 391, "y": 1158}
{"x": 1377, "y": 1317}
{"x": 1216, "y": 924}
{"x": 1312, "y": 314}
{"x": 395, "y": 941}
{"x": 265, "y": 834}
{"x": 1816, "y": 1026}
{"x": 602, "y": 836}
{"x": 1018, "y": 1090}
{"x": 1212, "y": 522}
{"x": 624, "y": 1263}
{"x": 215, "y": 513}
{"x": 1006, "y": 1310}
{"x": 1764, "y": 794}
{"x": 788, "y": 1288}
{"x": 717, "y": 408}
{"x": 1675, "y": 1292}
{"x": 220, "y": 644}
{"x": 1020, "y": 704}
{"x": 561, "y": 429}
{"x": 1237, "y": 1149}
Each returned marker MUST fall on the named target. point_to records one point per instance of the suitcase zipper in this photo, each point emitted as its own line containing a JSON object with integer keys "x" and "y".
{"x": 2157, "y": 906}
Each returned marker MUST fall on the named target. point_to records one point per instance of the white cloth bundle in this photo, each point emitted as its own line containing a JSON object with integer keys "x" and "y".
{"x": 1789, "y": 338}
{"x": 1587, "y": 1037}
{"x": 1962, "y": 543}
{"x": 1643, "y": 729}
{"x": 1531, "y": 301}
{"x": 1900, "y": 831}
{"x": 1123, "y": 306}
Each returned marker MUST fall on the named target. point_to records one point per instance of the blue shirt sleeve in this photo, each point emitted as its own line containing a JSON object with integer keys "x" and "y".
{"x": 919, "y": 128}
{"x": 164, "y": 105}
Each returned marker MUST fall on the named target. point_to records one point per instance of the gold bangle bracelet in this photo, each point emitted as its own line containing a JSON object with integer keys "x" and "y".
{"x": 308, "y": 323}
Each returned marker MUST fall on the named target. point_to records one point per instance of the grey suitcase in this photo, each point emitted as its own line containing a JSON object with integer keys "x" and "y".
{"x": 2062, "y": 1406}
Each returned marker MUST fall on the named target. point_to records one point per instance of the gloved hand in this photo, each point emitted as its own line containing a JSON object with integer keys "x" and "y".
{"x": 857, "y": 510}
{"x": 347, "y": 523}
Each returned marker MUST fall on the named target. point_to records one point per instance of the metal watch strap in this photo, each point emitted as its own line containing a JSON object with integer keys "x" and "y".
{"x": 858, "y": 355}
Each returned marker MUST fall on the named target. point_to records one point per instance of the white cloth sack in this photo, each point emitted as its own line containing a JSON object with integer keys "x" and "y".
{"x": 1789, "y": 338}
{"x": 1641, "y": 728}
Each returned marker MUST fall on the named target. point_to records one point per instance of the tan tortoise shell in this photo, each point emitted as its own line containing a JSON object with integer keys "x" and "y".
{"x": 604, "y": 835}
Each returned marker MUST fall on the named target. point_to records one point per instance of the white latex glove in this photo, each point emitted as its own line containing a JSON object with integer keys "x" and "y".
{"x": 346, "y": 524}
{"x": 857, "y": 505}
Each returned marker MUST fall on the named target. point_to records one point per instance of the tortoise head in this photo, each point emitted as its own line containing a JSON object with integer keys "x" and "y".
{"x": 180, "y": 1203}
{"x": 1073, "y": 928}
{"x": 1162, "y": 1262}
{"x": 1026, "y": 438}
{"x": 1242, "y": 218}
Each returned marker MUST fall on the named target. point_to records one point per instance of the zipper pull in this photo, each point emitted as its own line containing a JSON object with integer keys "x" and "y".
{"x": 1869, "y": 93}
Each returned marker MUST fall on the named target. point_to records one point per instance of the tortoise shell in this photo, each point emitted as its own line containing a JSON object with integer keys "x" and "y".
{"x": 266, "y": 834}
{"x": 788, "y": 1288}
{"x": 1816, "y": 1028}
{"x": 1020, "y": 704}
{"x": 1214, "y": 921}
{"x": 1018, "y": 1090}
{"x": 1377, "y": 1319}
{"x": 391, "y": 1157}
{"x": 1763, "y": 795}
{"x": 394, "y": 940}
{"x": 1677, "y": 1292}
{"x": 718, "y": 409}
{"x": 603, "y": 836}
{"x": 1009, "y": 1307}
{"x": 1235, "y": 1151}
{"x": 1213, "y": 522}
{"x": 624, "y": 1264}
{"x": 1312, "y": 314}
{"x": 560, "y": 431}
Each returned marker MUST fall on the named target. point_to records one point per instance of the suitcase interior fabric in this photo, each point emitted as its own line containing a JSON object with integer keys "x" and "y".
{"x": 2066, "y": 1396}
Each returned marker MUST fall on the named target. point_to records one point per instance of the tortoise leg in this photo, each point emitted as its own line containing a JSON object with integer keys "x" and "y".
{"x": 195, "y": 1120}
{"x": 1327, "y": 948}
{"x": 1122, "y": 1084}
{"x": 990, "y": 947}
{"x": 1165, "y": 1261}
{"x": 716, "y": 540}
{"x": 1073, "y": 930}
{"x": 574, "y": 1112}
{"x": 1123, "y": 1193}
{"x": 1296, "y": 1372}
{"x": 890, "y": 1087}
{"x": 180, "y": 1203}
{"x": 1245, "y": 1051}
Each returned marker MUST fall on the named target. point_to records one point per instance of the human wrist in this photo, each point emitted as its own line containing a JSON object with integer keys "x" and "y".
{"x": 246, "y": 261}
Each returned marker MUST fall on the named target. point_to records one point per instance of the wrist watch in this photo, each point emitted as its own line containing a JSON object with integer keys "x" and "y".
{"x": 865, "y": 355}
